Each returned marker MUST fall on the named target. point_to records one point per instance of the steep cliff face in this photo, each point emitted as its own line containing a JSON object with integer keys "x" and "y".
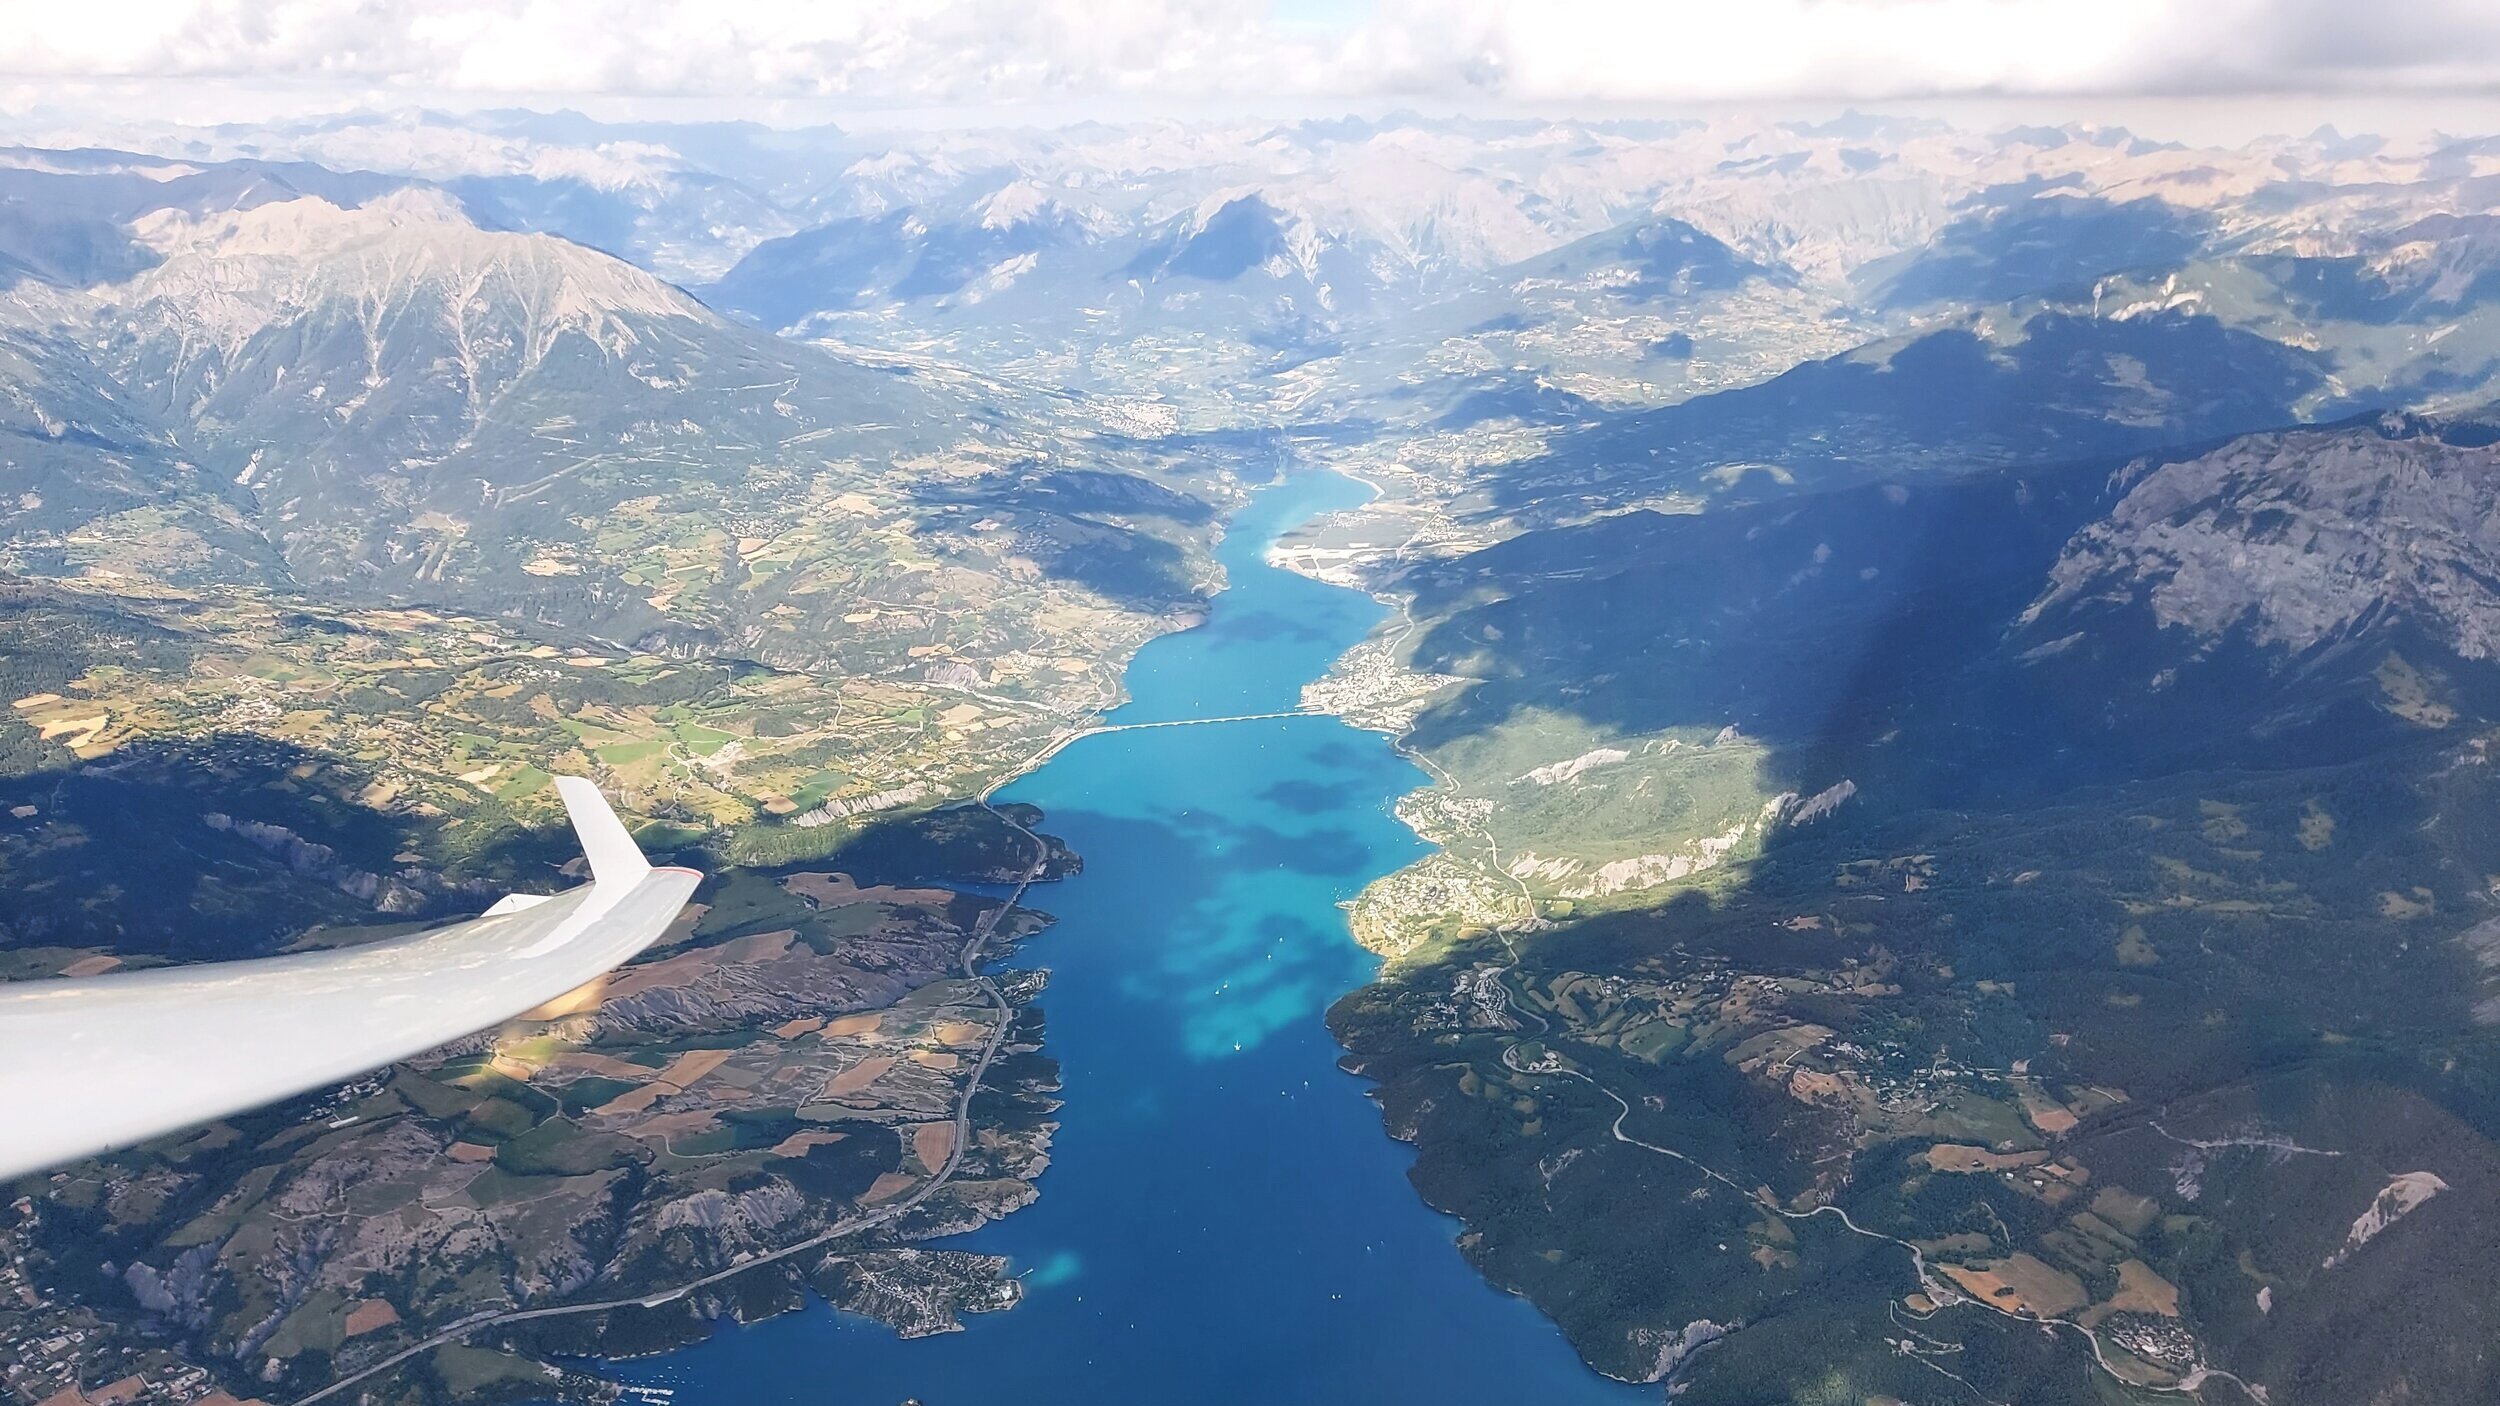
{"x": 2301, "y": 538}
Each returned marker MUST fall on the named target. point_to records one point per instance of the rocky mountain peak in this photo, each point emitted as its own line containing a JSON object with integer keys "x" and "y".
{"x": 237, "y": 272}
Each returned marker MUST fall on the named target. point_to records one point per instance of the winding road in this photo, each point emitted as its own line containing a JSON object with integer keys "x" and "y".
{"x": 1943, "y": 1295}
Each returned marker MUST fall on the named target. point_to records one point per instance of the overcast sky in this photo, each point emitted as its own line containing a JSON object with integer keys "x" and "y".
{"x": 195, "y": 57}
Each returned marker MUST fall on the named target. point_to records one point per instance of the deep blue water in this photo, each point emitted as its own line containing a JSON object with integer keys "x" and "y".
{"x": 1224, "y": 1220}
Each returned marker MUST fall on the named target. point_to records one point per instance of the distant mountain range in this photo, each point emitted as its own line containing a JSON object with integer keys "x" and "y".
{"x": 1958, "y": 668}
{"x": 1023, "y": 230}
{"x": 350, "y": 385}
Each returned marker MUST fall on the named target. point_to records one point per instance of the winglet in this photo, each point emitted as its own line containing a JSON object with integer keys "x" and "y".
{"x": 613, "y": 855}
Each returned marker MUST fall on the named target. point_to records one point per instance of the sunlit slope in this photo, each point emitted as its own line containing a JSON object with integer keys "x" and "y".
{"x": 407, "y": 404}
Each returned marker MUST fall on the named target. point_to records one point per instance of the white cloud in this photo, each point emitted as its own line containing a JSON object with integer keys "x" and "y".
{"x": 1003, "y": 52}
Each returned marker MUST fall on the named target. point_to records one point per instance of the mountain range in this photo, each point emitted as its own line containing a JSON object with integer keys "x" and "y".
{"x": 1957, "y": 670}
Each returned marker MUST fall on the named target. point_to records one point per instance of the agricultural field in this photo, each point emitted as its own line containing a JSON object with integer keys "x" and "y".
{"x": 792, "y": 1058}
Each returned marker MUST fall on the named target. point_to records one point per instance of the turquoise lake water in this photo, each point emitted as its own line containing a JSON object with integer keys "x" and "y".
{"x": 1223, "y": 1221}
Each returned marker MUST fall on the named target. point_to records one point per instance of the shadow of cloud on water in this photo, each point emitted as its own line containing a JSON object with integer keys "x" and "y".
{"x": 1302, "y": 797}
{"x": 1246, "y": 984}
{"x": 1263, "y": 629}
{"x": 1331, "y": 852}
{"x": 1215, "y": 925}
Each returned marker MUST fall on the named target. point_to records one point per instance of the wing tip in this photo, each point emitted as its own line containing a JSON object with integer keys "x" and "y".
{"x": 612, "y": 853}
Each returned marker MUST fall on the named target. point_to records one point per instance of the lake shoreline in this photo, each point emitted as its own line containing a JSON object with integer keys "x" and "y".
{"x": 1177, "y": 1250}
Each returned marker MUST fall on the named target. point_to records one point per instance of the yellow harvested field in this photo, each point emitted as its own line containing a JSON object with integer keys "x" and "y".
{"x": 858, "y": 1076}
{"x": 470, "y": 1152}
{"x": 1816, "y": 1086}
{"x": 669, "y": 1125}
{"x": 370, "y": 1316}
{"x": 888, "y": 1186}
{"x": 684, "y": 1070}
{"x": 62, "y": 727}
{"x": 936, "y": 1059}
{"x": 1955, "y": 1157}
{"x": 97, "y": 965}
{"x": 682, "y": 1074}
{"x": 931, "y": 1142}
{"x": 2023, "y": 1284}
{"x": 793, "y": 1029}
{"x": 2047, "y": 1114}
{"x": 960, "y": 1032}
{"x": 2140, "y": 1290}
{"x": 668, "y": 971}
{"x": 797, "y": 1144}
{"x": 759, "y": 947}
{"x": 851, "y": 1025}
{"x": 632, "y": 1101}
{"x": 36, "y": 700}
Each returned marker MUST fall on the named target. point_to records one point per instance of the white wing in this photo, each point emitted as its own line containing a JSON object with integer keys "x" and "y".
{"x": 88, "y": 1066}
